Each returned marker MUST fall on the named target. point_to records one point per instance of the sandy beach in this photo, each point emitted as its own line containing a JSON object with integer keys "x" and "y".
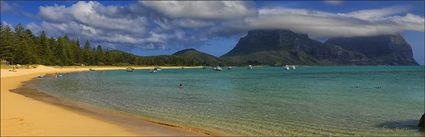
{"x": 24, "y": 116}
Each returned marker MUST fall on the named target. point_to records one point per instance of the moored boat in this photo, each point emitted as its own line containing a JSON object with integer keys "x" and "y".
{"x": 286, "y": 67}
{"x": 130, "y": 69}
{"x": 153, "y": 71}
{"x": 217, "y": 68}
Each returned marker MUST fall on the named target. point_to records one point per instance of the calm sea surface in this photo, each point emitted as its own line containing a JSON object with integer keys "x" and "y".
{"x": 263, "y": 101}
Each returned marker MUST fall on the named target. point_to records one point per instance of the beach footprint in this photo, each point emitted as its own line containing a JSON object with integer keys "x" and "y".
{"x": 16, "y": 126}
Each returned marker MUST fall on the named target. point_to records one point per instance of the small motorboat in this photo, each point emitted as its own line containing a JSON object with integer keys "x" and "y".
{"x": 130, "y": 69}
{"x": 229, "y": 68}
{"x": 153, "y": 71}
{"x": 286, "y": 67}
{"x": 217, "y": 68}
{"x": 157, "y": 68}
{"x": 250, "y": 67}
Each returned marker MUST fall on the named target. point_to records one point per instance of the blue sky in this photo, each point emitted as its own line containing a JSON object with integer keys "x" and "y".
{"x": 156, "y": 28}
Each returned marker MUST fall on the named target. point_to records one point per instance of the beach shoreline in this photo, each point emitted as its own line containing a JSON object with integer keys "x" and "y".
{"x": 41, "y": 114}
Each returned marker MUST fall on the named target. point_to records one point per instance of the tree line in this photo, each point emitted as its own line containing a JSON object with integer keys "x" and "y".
{"x": 21, "y": 46}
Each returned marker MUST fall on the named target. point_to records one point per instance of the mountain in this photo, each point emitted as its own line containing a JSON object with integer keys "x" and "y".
{"x": 278, "y": 47}
{"x": 194, "y": 54}
{"x": 379, "y": 50}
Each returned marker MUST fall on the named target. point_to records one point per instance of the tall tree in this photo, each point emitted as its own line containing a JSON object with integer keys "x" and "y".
{"x": 86, "y": 52}
{"x": 7, "y": 39}
{"x": 99, "y": 56}
{"x": 22, "y": 54}
{"x": 45, "y": 50}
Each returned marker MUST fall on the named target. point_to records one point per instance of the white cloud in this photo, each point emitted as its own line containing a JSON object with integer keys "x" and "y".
{"x": 411, "y": 18}
{"x": 54, "y": 13}
{"x": 326, "y": 24}
{"x": 4, "y": 6}
{"x": 202, "y": 9}
{"x": 287, "y": 11}
{"x": 190, "y": 23}
{"x": 376, "y": 14}
{"x": 178, "y": 24}
{"x": 93, "y": 14}
{"x": 123, "y": 25}
{"x": 34, "y": 27}
{"x": 334, "y": 2}
{"x": 6, "y": 24}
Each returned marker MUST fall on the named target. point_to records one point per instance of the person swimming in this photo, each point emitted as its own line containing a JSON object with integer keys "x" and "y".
{"x": 181, "y": 85}
{"x": 58, "y": 75}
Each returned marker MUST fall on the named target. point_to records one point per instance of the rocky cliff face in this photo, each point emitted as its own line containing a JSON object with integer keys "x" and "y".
{"x": 277, "y": 47}
{"x": 379, "y": 50}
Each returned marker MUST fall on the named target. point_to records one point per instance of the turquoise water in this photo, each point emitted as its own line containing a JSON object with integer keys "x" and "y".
{"x": 264, "y": 101}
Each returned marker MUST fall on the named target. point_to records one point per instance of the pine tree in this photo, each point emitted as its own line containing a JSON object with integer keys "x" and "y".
{"x": 6, "y": 41}
{"x": 54, "y": 60}
{"x": 99, "y": 57}
{"x": 45, "y": 50}
{"x": 86, "y": 52}
{"x": 32, "y": 46}
{"x": 67, "y": 52}
{"x": 77, "y": 59}
{"x": 22, "y": 54}
{"x": 58, "y": 52}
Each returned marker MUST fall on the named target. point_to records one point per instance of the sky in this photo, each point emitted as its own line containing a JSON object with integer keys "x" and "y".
{"x": 214, "y": 27}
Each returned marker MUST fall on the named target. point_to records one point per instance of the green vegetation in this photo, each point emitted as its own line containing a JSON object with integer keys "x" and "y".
{"x": 21, "y": 46}
{"x": 208, "y": 59}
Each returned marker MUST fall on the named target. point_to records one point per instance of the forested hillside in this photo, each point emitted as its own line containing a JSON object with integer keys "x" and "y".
{"x": 21, "y": 46}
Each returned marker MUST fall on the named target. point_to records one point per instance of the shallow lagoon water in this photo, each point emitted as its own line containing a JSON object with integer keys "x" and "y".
{"x": 264, "y": 101}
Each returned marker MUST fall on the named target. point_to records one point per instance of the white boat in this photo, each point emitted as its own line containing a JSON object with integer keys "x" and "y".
{"x": 286, "y": 67}
{"x": 153, "y": 71}
{"x": 130, "y": 69}
{"x": 230, "y": 67}
{"x": 157, "y": 68}
{"x": 293, "y": 67}
{"x": 217, "y": 68}
{"x": 250, "y": 67}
